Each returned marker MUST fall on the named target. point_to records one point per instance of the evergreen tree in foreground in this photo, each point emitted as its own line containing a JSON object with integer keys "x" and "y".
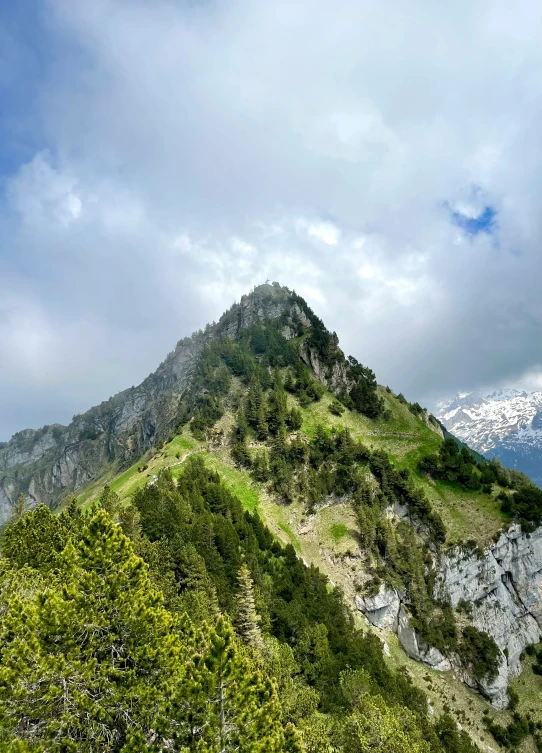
{"x": 88, "y": 663}
{"x": 92, "y": 661}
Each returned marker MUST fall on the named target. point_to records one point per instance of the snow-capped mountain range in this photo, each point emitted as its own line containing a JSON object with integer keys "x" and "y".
{"x": 506, "y": 424}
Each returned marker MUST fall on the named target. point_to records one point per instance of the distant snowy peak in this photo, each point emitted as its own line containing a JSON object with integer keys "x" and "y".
{"x": 506, "y": 423}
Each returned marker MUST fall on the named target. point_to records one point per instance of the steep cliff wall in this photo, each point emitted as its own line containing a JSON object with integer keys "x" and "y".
{"x": 47, "y": 464}
{"x": 503, "y": 587}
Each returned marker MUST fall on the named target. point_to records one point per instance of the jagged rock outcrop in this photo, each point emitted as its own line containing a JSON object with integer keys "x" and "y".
{"x": 501, "y": 588}
{"x": 47, "y": 464}
{"x": 333, "y": 376}
{"x": 504, "y": 589}
{"x": 386, "y": 611}
{"x": 415, "y": 647}
{"x": 382, "y": 609}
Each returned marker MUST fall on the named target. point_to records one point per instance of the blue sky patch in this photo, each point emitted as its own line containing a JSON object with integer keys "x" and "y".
{"x": 484, "y": 223}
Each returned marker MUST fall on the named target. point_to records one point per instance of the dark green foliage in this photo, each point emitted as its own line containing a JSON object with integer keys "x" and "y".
{"x": 416, "y": 409}
{"x": 314, "y": 469}
{"x": 396, "y": 554}
{"x": 277, "y": 409}
{"x": 91, "y": 661}
{"x": 452, "y": 739}
{"x": 479, "y": 652}
{"x": 398, "y": 487}
{"x": 89, "y": 434}
{"x": 239, "y": 450}
{"x": 38, "y": 538}
{"x": 525, "y": 505}
{"x": 110, "y": 502}
{"x": 294, "y": 419}
{"x": 537, "y": 665}
{"x": 336, "y": 408}
{"x": 465, "y": 607}
{"x": 76, "y": 670}
{"x": 301, "y": 384}
{"x": 323, "y": 342}
{"x": 363, "y": 395}
{"x": 259, "y": 349}
{"x": 513, "y": 734}
{"x": 302, "y": 612}
{"x": 457, "y": 464}
{"x": 143, "y": 675}
{"x": 294, "y": 599}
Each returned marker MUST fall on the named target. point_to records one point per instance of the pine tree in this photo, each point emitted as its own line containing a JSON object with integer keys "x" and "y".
{"x": 255, "y": 401}
{"x": 199, "y": 597}
{"x": 227, "y": 700}
{"x": 240, "y": 453}
{"x": 130, "y": 522}
{"x": 87, "y": 663}
{"x": 110, "y": 502}
{"x": 261, "y": 428}
{"x": 277, "y": 409}
{"x": 260, "y": 466}
{"x": 292, "y": 740}
{"x": 224, "y": 704}
{"x": 375, "y": 727}
{"x": 240, "y": 429}
{"x": 248, "y": 620}
{"x": 289, "y": 382}
{"x": 294, "y": 419}
{"x": 72, "y": 509}
{"x": 37, "y": 538}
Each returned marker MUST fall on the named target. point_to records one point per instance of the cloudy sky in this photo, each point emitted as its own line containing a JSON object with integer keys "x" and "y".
{"x": 158, "y": 159}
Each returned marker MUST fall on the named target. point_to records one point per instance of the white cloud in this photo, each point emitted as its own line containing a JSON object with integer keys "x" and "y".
{"x": 326, "y": 232}
{"x": 43, "y": 194}
{"x": 195, "y": 150}
{"x": 530, "y": 381}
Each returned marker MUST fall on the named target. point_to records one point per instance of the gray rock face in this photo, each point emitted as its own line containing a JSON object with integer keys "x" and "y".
{"x": 47, "y": 464}
{"x": 416, "y": 648}
{"x": 335, "y": 377}
{"x": 504, "y": 589}
{"x": 382, "y": 610}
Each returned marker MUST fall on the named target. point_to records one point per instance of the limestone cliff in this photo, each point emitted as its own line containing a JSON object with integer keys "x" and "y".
{"x": 503, "y": 587}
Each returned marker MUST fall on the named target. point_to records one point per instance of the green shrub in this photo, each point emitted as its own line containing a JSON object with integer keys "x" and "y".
{"x": 336, "y": 408}
{"x": 480, "y": 653}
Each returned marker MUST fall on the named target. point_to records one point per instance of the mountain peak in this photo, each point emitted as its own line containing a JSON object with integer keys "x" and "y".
{"x": 48, "y": 463}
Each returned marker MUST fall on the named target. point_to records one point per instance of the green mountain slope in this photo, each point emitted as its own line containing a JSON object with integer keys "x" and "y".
{"x": 361, "y": 484}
